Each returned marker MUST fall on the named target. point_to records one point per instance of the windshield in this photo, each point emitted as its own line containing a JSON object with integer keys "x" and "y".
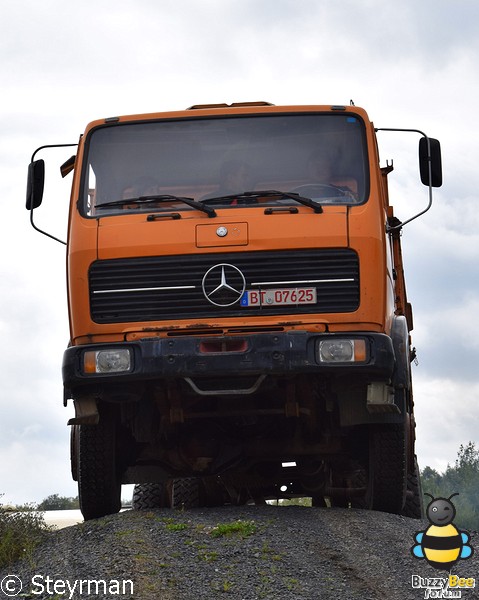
{"x": 155, "y": 166}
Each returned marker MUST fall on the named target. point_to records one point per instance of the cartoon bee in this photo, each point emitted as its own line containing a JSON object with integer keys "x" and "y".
{"x": 442, "y": 544}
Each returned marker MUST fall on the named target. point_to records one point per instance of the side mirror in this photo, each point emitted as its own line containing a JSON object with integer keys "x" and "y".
{"x": 35, "y": 184}
{"x": 430, "y": 153}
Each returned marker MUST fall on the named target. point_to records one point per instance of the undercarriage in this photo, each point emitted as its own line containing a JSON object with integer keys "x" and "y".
{"x": 303, "y": 436}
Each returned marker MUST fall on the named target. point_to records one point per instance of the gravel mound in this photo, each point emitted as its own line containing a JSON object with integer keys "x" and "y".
{"x": 237, "y": 553}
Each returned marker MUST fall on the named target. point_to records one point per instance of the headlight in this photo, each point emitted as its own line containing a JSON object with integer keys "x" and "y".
{"x": 338, "y": 350}
{"x": 112, "y": 360}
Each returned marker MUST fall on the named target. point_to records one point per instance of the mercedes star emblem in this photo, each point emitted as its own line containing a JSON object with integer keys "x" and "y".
{"x": 223, "y": 285}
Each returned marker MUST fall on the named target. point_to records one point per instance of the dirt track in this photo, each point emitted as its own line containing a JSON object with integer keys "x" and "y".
{"x": 264, "y": 552}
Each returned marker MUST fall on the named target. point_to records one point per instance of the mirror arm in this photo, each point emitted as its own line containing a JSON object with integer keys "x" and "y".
{"x": 41, "y": 230}
{"x": 429, "y": 166}
{"x": 50, "y": 146}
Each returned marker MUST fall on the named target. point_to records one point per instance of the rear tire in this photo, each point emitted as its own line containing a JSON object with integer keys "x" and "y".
{"x": 147, "y": 496}
{"x": 99, "y": 484}
{"x": 184, "y": 493}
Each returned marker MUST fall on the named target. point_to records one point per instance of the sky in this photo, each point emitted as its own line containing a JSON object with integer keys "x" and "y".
{"x": 409, "y": 64}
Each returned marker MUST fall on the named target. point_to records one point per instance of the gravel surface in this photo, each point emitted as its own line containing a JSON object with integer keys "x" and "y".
{"x": 237, "y": 553}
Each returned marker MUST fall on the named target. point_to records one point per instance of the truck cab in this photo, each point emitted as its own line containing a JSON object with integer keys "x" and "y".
{"x": 239, "y": 324}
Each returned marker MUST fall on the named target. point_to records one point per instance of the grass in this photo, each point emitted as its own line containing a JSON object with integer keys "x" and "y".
{"x": 176, "y": 526}
{"x": 124, "y": 533}
{"x": 269, "y": 553}
{"x": 208, "y": 556}
{"x": 223, "y": 587}
{"x": 20, "y": 533}
{"x": 172, "y": 525}
{"x": 240, "y": 528}
{"x": 291, "y": 583}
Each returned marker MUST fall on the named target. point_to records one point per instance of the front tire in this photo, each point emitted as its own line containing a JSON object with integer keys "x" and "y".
{"x": 414, "y": 507}
{"x": 99, "y": 485}
{"x": 388, "y": 465}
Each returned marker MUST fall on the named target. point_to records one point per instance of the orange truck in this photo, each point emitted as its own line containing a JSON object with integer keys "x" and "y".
{"x": 239, "y": 326}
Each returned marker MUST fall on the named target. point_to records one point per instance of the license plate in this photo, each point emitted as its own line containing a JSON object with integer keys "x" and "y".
{"x": 279, "y": 297}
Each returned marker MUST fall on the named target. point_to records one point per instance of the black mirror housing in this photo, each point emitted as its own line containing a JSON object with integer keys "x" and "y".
{"x": 435, "y": 160}
{"x": 35, "y": 184}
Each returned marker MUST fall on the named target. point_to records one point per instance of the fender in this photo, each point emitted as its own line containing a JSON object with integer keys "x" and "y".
{"x": 402, "y": 370}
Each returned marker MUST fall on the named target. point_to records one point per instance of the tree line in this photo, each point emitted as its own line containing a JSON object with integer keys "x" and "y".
{"x": 461, "y": 478}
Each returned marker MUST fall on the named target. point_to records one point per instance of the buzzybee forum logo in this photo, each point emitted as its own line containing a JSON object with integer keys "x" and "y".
{"x": 442, "y": 544}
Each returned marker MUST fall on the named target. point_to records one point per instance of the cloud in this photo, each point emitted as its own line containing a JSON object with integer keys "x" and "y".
{"x": 31, "y": 471}
{"x": 448, "y": 339}
{"x": 446, "y": 417}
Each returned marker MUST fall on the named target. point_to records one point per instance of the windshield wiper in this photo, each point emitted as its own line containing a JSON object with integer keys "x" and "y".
{"x": 161, "y": 198}
{"x": 246, "y": 197}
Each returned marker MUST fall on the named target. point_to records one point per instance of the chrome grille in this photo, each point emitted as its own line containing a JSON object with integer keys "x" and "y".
{"x": 170, "y": 287}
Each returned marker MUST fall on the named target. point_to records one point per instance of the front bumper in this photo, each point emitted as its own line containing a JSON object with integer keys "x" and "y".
{"x": 279, "y": 354}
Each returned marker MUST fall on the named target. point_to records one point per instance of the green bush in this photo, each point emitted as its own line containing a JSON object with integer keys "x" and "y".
{"x": 20, "y": 533}
{"x": 57, "y": 502}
